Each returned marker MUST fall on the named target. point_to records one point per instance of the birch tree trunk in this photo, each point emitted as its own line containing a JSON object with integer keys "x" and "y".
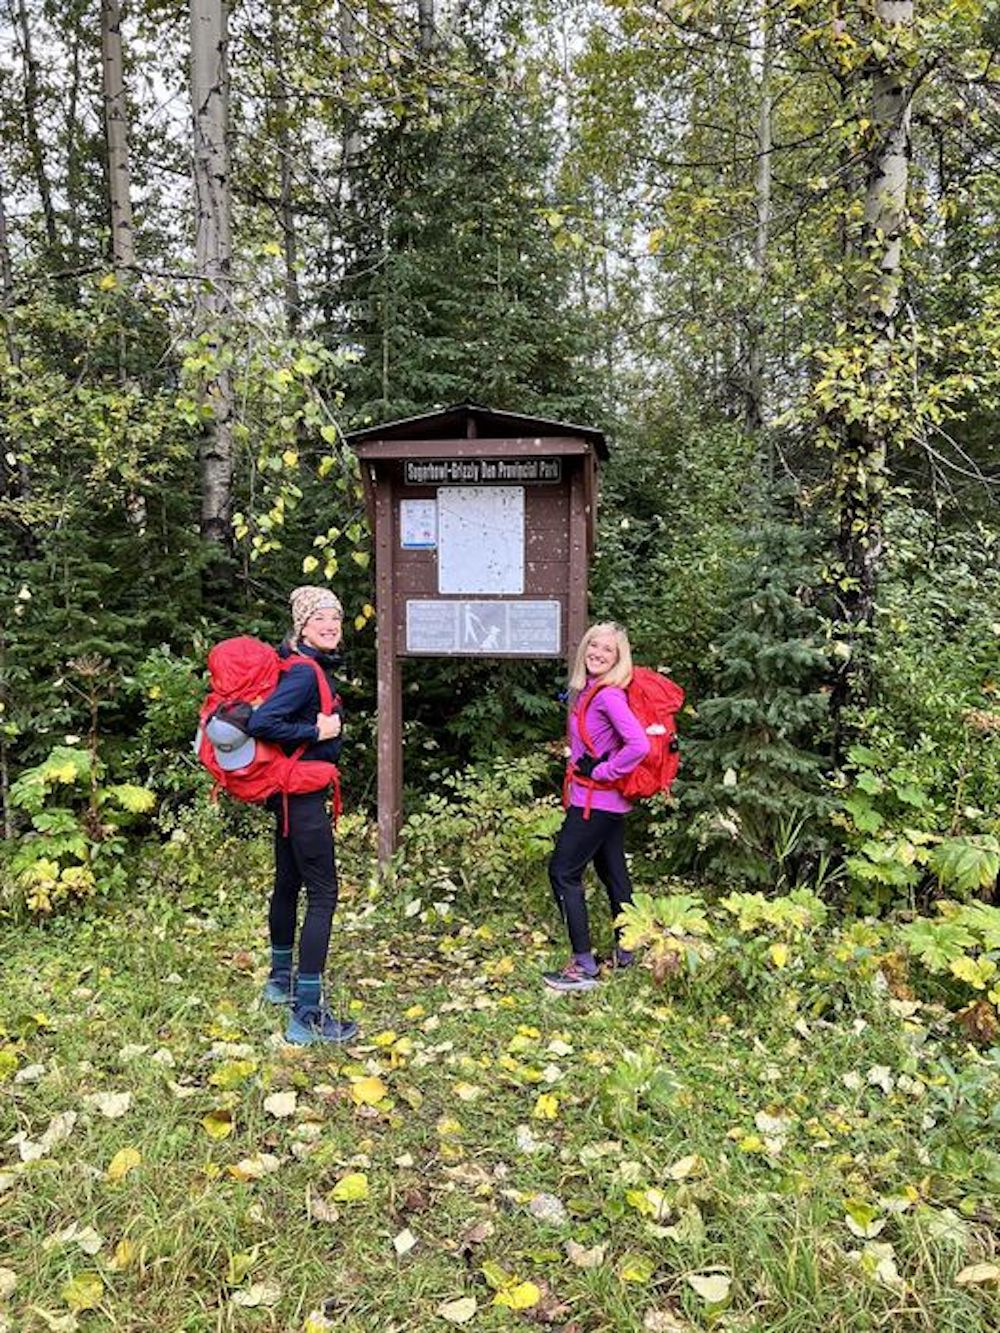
{"x": 427, "y": 27}
{"x": 213, "y": 250}
{"x": 861, "y": 469}
{"x": 116, "y": 131}
{"x": 760, "y": 56}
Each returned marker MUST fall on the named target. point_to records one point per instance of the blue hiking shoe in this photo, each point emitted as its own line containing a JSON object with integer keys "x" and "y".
{"x": 317, "y": 1024}
{"x": 572, "y": 977}
{"x": 277, "y": 988}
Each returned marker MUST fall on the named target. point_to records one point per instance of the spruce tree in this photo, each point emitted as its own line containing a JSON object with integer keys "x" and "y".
{"x": 753, "y": 789}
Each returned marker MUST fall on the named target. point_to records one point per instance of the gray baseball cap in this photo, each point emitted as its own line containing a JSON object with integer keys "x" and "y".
{"x": 233, "y": 748}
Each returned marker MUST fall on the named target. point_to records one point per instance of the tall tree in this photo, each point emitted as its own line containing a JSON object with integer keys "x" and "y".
{"x": 213, "y": 247}
{"x": 861, "y": 472}
{"x": 116, "y": 133}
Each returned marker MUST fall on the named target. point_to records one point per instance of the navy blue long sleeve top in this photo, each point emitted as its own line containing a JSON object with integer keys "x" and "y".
{"x": 288, "y": 716}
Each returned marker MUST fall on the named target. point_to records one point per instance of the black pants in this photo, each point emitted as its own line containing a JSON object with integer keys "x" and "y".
{"x": 600, "y": 839}
{"x": 304, "y": 857}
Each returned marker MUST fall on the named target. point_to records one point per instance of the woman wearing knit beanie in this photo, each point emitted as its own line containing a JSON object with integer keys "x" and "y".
{"x": 303, "y": 847}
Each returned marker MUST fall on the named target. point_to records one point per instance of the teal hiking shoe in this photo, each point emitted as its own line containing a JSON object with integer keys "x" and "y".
{"x": 277, "y": 988}
{"x": 316, "y": 1024}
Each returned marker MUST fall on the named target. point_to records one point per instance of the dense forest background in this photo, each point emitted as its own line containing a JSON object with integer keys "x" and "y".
{"x": 756, "y": 243}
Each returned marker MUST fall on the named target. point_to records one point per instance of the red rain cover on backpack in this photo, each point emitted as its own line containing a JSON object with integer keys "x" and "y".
{"x": 655, "y": 700}
{"x": 246, "y": 671}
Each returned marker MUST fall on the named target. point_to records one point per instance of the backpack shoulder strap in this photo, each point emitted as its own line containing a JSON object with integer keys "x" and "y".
{"x": 583, "y": 701}
{"x": 326, "y": 699}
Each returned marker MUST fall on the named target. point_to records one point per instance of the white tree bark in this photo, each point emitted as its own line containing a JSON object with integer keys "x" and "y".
{"x": 427, "y": 30}
{"x": 116, "y": 130}
{"x": 760, "y": 58}
{"x": 885, "y": 198}
{"x": 213, "y": 250}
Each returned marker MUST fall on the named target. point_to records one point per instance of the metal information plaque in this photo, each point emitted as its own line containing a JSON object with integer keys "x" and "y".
{"x": 481, "y": 471}
{"x": 470, "y": 629}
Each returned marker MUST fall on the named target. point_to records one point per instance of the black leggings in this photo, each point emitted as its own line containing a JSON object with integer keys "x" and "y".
{"x": 600, "y": 839}
{"x": 304, "y": 857}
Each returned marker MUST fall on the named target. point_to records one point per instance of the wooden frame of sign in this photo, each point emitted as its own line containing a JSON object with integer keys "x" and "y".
{"x": 483, "y": 524}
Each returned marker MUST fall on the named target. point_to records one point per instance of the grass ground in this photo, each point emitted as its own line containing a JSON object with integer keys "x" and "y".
{"x": 610, "y": 1161}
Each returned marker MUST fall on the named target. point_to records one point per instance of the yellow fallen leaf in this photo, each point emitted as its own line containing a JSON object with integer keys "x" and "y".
{"x": 218, "y": 1124}
{"x": 582, "y": 1257}
{"x": 257, "y": 1294}
{"x": 713, "y": 1288}
{"x": 385, "y": 1038}
{"x": 977, "y": 1273}
{"x": 460, "y": 1311}
{"x": 368, "y": 1091}
{"x": 112, "y": 1105}
{"x": 520, "y": 1296}
{"x": 281, "y": 1104}
{"x": 126, "y": 1253}
{"x": 685, "y": 1167}
{"x": 546, "y": 1107}
{"x": 467, "y": 1092}
{"x": 83, "y": 1292}
{"x": 124, "y": 1161}
{"x": 351, "y": 1188}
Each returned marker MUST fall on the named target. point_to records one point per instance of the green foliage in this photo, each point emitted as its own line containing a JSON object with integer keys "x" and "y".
{"x": 77, "y": 838}
{"x": 674, "y": 928}
{"x": 963, "y": 943}
{"x": 483, "y": 836}
{"x": 752, "y": 780}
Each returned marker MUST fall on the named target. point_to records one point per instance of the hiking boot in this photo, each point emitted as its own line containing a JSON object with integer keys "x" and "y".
{"x": 307, "y": 1026}
{"x": 572, "y": 977}
{"x": 277, "y": 988}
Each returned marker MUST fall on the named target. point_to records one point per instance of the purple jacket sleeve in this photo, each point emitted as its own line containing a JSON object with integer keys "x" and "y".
{"x": 634, "y": 742}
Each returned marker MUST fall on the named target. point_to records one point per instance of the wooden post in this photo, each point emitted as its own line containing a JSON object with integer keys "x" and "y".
{"x": 579, "y": 519}
{"x": 390, "y": 694}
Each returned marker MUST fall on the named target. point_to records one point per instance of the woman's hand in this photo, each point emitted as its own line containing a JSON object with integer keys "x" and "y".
{"x": 329, "y": 726}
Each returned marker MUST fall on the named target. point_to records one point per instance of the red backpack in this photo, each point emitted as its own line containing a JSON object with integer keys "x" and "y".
{"x": 242, "y": 673}
{"x": 655, "y": 700}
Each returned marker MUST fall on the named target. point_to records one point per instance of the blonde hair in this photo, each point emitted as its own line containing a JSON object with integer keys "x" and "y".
{"x": 620, "y": 673}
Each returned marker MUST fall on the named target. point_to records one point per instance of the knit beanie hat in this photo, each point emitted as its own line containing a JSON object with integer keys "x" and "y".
{"x": 306, "y": 601}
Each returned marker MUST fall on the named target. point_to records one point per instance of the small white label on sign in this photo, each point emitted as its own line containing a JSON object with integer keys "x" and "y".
{"x": 418, "y": 525}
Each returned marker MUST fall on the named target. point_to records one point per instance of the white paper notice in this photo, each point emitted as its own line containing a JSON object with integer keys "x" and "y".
{"x": 418, "y": 524}
{"x": 481, "y": 539}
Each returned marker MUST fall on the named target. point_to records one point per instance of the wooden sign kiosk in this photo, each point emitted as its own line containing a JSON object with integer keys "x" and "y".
{"x": 483, "y": 524}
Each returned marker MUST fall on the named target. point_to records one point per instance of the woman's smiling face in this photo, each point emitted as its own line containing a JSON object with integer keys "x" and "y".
{"x": 323, "y": 630}
{"x": 601, "y": 655}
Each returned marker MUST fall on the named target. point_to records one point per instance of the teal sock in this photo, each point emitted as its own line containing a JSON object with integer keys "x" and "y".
{"x": 308, "y": 990}
{"x": 281, "y": 962}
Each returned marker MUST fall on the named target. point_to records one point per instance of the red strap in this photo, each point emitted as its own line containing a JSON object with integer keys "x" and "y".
{"x": 583, "y": 702}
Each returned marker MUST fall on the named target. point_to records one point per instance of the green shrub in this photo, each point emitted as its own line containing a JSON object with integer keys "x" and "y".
{"x": 77, "y": 839}
{"x": 486, "y": 835}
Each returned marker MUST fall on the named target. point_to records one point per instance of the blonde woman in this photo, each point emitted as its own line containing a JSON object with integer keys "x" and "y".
{"x": 594, "y": 827}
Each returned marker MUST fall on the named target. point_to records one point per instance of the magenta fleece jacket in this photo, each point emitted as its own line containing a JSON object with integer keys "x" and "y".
{"x": 614, "y": 730}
